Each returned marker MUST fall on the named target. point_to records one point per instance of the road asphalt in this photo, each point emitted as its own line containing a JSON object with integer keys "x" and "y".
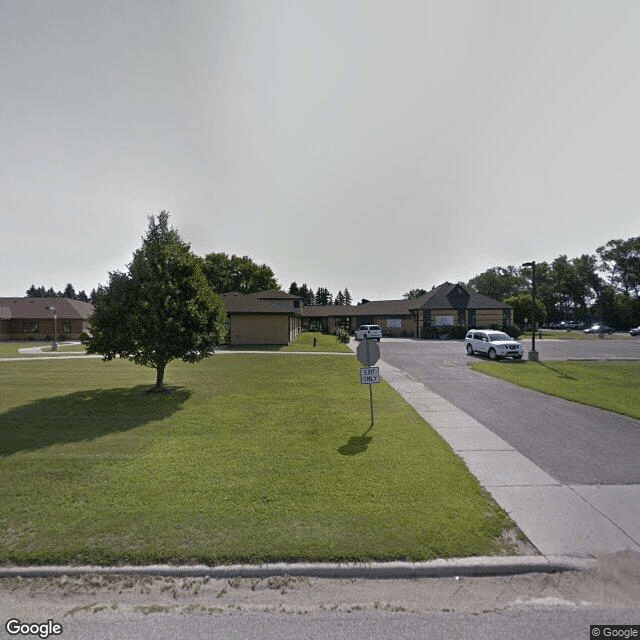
{"x": 570, "y": 525}
{"x": 559, "y": 519}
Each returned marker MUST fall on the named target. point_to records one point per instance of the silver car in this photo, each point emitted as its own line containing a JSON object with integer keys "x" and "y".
{"x": 495, "y": 344}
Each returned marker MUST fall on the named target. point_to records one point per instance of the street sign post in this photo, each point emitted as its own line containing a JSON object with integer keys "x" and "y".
{"x": 370, "y": 375}
{"x": 368, "y": 353}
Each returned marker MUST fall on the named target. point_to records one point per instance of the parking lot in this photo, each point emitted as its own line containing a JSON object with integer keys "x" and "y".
{"x": 571, "y": 442}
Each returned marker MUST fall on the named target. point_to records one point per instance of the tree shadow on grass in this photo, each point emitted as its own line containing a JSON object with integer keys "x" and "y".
{"x": 83, "y": 416}
{"x": 562, "y": 374}
{"x": 356, "y": 444}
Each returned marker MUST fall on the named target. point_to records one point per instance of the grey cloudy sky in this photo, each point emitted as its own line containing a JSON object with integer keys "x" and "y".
{"x": 372, "y": 144}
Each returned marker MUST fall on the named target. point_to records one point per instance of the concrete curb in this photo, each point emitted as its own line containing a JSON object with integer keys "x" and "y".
{"x": 469, "y": 567}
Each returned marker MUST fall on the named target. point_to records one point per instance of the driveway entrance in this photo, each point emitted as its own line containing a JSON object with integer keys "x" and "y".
{"x": 576, "y": 444}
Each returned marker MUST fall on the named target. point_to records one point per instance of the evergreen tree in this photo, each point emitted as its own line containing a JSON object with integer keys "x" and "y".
{"x": 323, "y": 297}
{"x": 32, "y": 292}
{"x": 293, "y": 289}
{"x": 69, "y": 292}
{"x": 308, "y": 299}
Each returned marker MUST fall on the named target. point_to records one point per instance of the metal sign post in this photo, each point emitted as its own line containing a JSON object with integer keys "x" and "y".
{"x": 368, "y": 353}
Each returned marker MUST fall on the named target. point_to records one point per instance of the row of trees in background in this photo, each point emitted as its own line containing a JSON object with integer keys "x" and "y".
{"x": 224, "y": 273}
{"x": 69, "y": 292}
{"x": 592, "y": 287}
{"x": 322, "y": 295}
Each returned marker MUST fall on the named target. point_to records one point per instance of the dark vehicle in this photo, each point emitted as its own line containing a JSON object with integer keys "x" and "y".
{"x": 599, "y": 328}
{"x": 572, "y": 324}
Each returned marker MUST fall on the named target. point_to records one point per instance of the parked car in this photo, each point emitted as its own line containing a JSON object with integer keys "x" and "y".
{"x": 495, "y": 344}
{"x": 635, "y": 332}
{"x": 370, "y": 331}
{"x": 599, "y": 328}
{"x": 571, "y": 324}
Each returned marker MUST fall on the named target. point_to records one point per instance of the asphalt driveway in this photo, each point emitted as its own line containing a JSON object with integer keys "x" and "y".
{"x": 571, "y": 442}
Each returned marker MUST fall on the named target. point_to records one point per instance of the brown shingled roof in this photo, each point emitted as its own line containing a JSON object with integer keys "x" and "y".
{"x": 328, "y": 310}
{"x": 240, "y": 303}
{"x": 275, "y": 294}
{"x": 35, "y": 308}
{"x": 456, "y": 296}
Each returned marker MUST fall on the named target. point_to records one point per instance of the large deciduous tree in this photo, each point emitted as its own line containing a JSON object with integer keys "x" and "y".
{"x": 522, "y": 307}
{"x": 161, "y": 309}
{"x": 414, "y": 294}
{"x": 621, "y": 259}
{"x": 499, "y": 282}
{"x": 234, "y": 273}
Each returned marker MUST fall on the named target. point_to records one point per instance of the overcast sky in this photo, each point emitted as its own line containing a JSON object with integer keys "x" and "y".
{"x": 375, "y": 145}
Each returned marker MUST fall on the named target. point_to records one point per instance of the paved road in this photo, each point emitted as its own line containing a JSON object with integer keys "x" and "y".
{"x": 531, "y": 606}
{"x": 578, "y": 445}
{"x": 569, "y": 623}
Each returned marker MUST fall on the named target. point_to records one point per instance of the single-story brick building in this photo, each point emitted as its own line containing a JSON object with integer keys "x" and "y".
{"x": 268, "y": 317}
{"x": 446, "y": 305}
{"x": 276, "y": 317}
{"x": 33, "y": 318}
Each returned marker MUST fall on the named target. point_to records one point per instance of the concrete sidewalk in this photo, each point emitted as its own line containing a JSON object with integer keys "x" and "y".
{"x": 559, "y": 520}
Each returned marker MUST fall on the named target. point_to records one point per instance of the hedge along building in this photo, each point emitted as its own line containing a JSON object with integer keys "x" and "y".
{"x": 33, "y": 318}
{"x": 268, "y": 317}
{"x": 447, "y": 305}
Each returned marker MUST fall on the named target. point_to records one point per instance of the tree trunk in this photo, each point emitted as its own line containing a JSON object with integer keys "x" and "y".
{"x": 160, "y": 377}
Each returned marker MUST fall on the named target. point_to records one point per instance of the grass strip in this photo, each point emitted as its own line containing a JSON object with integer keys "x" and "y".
{"x": 325, "y": 343}
{"x": 251, "y": 457}
{"x": 614, "y": 386}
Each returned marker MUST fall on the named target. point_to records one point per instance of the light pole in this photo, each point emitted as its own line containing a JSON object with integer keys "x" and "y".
{"x": 54, "y": 345}
{"x": 533, "y": 354}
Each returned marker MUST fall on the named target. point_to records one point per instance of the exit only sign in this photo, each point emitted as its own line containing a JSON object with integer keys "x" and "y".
{"x": 370, "y": 375}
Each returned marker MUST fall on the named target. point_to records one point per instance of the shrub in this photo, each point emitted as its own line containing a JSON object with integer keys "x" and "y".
{"x": 341, "y": 334}
{"x": 428, "y": 333}
{"x": 458, "y": 332}
{"x": 514, "y": 330}
{"x": 84, "y": 337}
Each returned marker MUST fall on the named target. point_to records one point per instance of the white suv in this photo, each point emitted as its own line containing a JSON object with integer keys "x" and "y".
{"x": 495, "y": 344}
{"x": 371, "y": 331}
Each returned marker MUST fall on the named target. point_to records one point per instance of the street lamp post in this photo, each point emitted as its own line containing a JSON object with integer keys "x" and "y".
{"x": 54, "y": 345}
{"x": 533, "y": 354}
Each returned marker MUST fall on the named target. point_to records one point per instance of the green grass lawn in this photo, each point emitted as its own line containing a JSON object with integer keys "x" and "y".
{"x": 10, "y": 349}
{"x": 614, "y": 386}
{"x": 325, "y": 343}
{"x": 251, "y": 457}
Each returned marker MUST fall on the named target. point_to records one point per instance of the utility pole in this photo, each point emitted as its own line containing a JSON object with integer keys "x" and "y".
{"x": 533, "y": 354}
{"x": 54, "y": 346}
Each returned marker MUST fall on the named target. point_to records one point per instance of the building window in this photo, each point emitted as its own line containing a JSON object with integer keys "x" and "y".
{"x": 66, "y": 327}
{"x": 461, "y": 315}
{"x": 30, "y": 327}
{"x": 472, "y": 317}
{"x": 506, "y": 317}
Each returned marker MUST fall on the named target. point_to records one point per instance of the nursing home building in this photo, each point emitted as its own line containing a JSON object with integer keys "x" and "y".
{"x": 446, "y": 305}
